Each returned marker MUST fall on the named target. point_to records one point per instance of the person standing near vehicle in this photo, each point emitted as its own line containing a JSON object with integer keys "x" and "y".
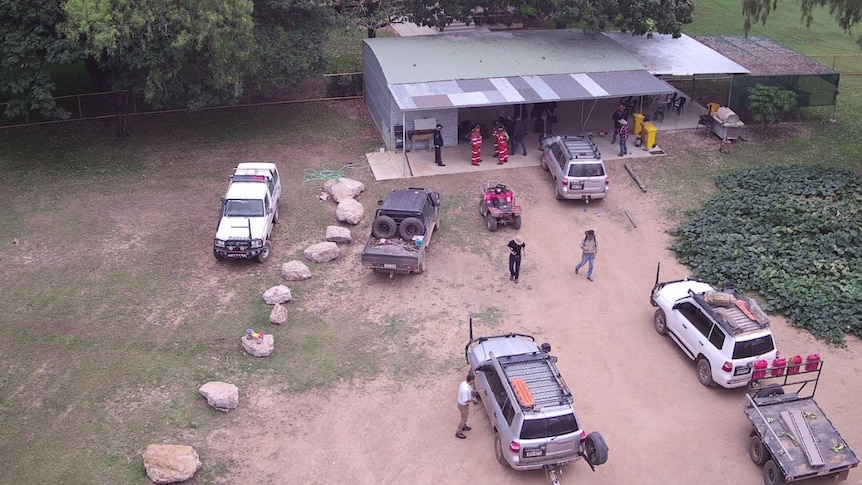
{"x": 519, "y": 131}
{"x": 624, "y": 135}
{"x": 516, "y": 251}
{"x": 502, "y": 144}
{"x": 590, "y": 247}
{"x": 476, "y": 145}
{"x": 540, "y": 126}
{"x": 438, "y": 146}
{"x": 619, "y": 114}
{"x": 465, "y": 397}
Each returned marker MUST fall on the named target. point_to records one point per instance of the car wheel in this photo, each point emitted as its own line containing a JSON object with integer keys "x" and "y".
{"x": 498, "y": 449}
{"x": 264, "y": 253}
{"x": 557, "y": 193}
{"x": 275, "y": 216}
{"x": 596, "y": 449}
{"x": 660, "y": 322}
{"x": 772, "y": 474}
{"x": 384, "y": 227}
{"x": 482, "y": 209}
{"x": 757, "y": 451}
{"x": 218, "y": 256}
{"x": 516, "y": 222}
{"x": 704, "y": 372}
{"x": 545, "y": 165}
{"x": 491, "y": 222}
{"x": 410, "y": 227}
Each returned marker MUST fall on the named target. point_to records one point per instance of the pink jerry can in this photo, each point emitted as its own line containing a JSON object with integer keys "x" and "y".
{"x": 795, "y": 362}
{"x": 812, "y": 362}
{"x": 760, "y": 366}
{"x": 779, "y": 364}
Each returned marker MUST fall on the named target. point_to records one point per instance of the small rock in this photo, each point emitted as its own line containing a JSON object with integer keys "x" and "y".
{"x": 220, "y": 395}
{"x": 295, "y": 271}
{"x": 338, "y": 234}
{"x": 322, "y": 252}
{"x": 171, "y": 463}
{"x": 277, "y": 294}
{"x": 350, "y": 211}
{"x": 258, "y": 347}
{"x": 278, "y": 315}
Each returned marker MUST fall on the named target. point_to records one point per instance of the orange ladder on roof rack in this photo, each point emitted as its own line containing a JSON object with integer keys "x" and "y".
{"x": 522, "y": 392}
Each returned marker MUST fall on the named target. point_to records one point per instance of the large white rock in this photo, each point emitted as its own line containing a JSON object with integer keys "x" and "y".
{"x": 295, "y": 271}
{"x": 259, "y": 347}
{"x": 277, "y": 294}
{"x": 322, "y": 252}
{"x": 350, "y": 211}
{"x": 220, "y": 395}
{"x": 171, "y": 463}
{"x": 344, "y": 188}
{"x": 278, "y": 315}
{"x": 338, "y": 234}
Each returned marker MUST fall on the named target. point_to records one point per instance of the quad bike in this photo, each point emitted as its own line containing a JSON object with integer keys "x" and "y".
{"x": 497, "y": 206}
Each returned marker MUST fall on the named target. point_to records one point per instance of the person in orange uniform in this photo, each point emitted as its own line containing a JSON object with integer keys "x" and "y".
{"x": 502, "y": 144}
{"x": 476, "y": 145}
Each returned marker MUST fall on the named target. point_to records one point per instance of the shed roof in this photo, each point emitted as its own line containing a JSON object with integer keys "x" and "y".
{"x": 763, "y": 56}
{"x": 482, "y": 55}
{"x": 663, "y": 55}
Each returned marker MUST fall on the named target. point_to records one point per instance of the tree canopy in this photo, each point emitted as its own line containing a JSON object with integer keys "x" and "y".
{"x": 848, "y": 13}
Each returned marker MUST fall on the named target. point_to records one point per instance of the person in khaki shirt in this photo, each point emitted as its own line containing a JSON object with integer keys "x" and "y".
{"x": 590, "y": 247}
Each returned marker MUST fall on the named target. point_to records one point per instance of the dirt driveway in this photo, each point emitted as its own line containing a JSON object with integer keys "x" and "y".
{"x": 630, "y": 384}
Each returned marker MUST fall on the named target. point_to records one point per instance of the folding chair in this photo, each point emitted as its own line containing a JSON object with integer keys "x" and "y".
{"x": 706, "y": 122}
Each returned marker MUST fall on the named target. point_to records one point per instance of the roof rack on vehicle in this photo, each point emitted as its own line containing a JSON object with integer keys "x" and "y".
{"x": 732, "y": 319}
{"x": 535, "y": 381}
{"x": 581, "y": 147}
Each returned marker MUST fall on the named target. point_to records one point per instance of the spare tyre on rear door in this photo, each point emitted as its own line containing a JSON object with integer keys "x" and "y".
{"x": 384, "y": 227}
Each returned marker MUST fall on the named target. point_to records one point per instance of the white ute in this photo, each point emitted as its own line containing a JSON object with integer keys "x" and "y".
{"x": 249, "y": 209}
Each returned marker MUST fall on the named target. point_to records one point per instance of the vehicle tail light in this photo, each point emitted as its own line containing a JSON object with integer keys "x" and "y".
{"x": 583, "y": 436}
{"x": 515, "y": 447}
{"x": 565, "y": 182}
{"x": 727, "y": 367}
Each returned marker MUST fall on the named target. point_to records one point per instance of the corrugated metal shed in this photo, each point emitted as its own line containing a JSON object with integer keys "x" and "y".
{"x": 493, "y": 68}
{"x": 663, "y": 55}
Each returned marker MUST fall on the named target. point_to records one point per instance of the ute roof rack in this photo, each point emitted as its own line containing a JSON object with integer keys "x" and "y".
{"x": 732, "y": 319}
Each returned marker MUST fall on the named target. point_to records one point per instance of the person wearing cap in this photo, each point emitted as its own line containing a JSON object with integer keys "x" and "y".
{"x": 624, "y": 135}
{"x": 516, "y": 250}
{"x": 476, "y": 145}
{"x": 619, "y": 114}
{"x": 466, "y": 393}
{"x": 590, "y": 247}
{"x": 438, "y": 146}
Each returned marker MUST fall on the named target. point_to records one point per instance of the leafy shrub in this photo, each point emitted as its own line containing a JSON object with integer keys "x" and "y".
{"x": 791, "y": 232}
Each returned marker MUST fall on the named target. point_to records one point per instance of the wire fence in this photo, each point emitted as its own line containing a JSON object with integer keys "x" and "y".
{"x": 94, "y": 106}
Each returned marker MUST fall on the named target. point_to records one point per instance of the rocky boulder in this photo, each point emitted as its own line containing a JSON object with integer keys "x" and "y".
{"x": 171, "y": 463}
{"x": 220, "y": 395}
{"x": 338, "y": 234}
{"x": 277, "y": 294}
{"x": 322, "y": 252}
{"x": 343, "y": 188}
{"x": 350, "y": 211}
{"x": 296, "y": 270}
{"x": 259, "y": 347}
{"x": 278, "y": 315}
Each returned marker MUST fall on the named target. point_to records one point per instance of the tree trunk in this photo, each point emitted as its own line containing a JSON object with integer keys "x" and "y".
{"x": 122, "y": 99}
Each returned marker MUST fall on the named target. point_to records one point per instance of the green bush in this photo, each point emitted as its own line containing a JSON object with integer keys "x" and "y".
{"x": 790, "y": 232}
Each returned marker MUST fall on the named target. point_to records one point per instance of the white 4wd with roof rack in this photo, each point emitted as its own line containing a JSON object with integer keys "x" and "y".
{"x": 249, "y": 209}
{"x": 722, "y": 331}
{"x": 529, "y": 405}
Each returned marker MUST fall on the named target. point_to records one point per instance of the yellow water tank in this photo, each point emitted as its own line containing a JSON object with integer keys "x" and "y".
{"x": 650, "y": 131}
{"x": 639, "y": 121}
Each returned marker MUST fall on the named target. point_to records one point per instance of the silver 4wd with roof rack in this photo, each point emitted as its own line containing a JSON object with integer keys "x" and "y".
{"x": 529, "y": 405}
{"x": 576, "y": 166}
{"x": 723, "y": 332}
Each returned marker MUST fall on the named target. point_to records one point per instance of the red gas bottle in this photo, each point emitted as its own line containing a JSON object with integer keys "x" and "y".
{"x": 760, "y": 366}
{"x": 812, "y": 362}
{"x": 795, "y": 361}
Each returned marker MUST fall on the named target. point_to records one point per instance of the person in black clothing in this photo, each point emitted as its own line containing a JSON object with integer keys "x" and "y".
{"x": 516, "y": 251}
{"x": 519, "y": 131}
{"x": 438, "y": 146}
